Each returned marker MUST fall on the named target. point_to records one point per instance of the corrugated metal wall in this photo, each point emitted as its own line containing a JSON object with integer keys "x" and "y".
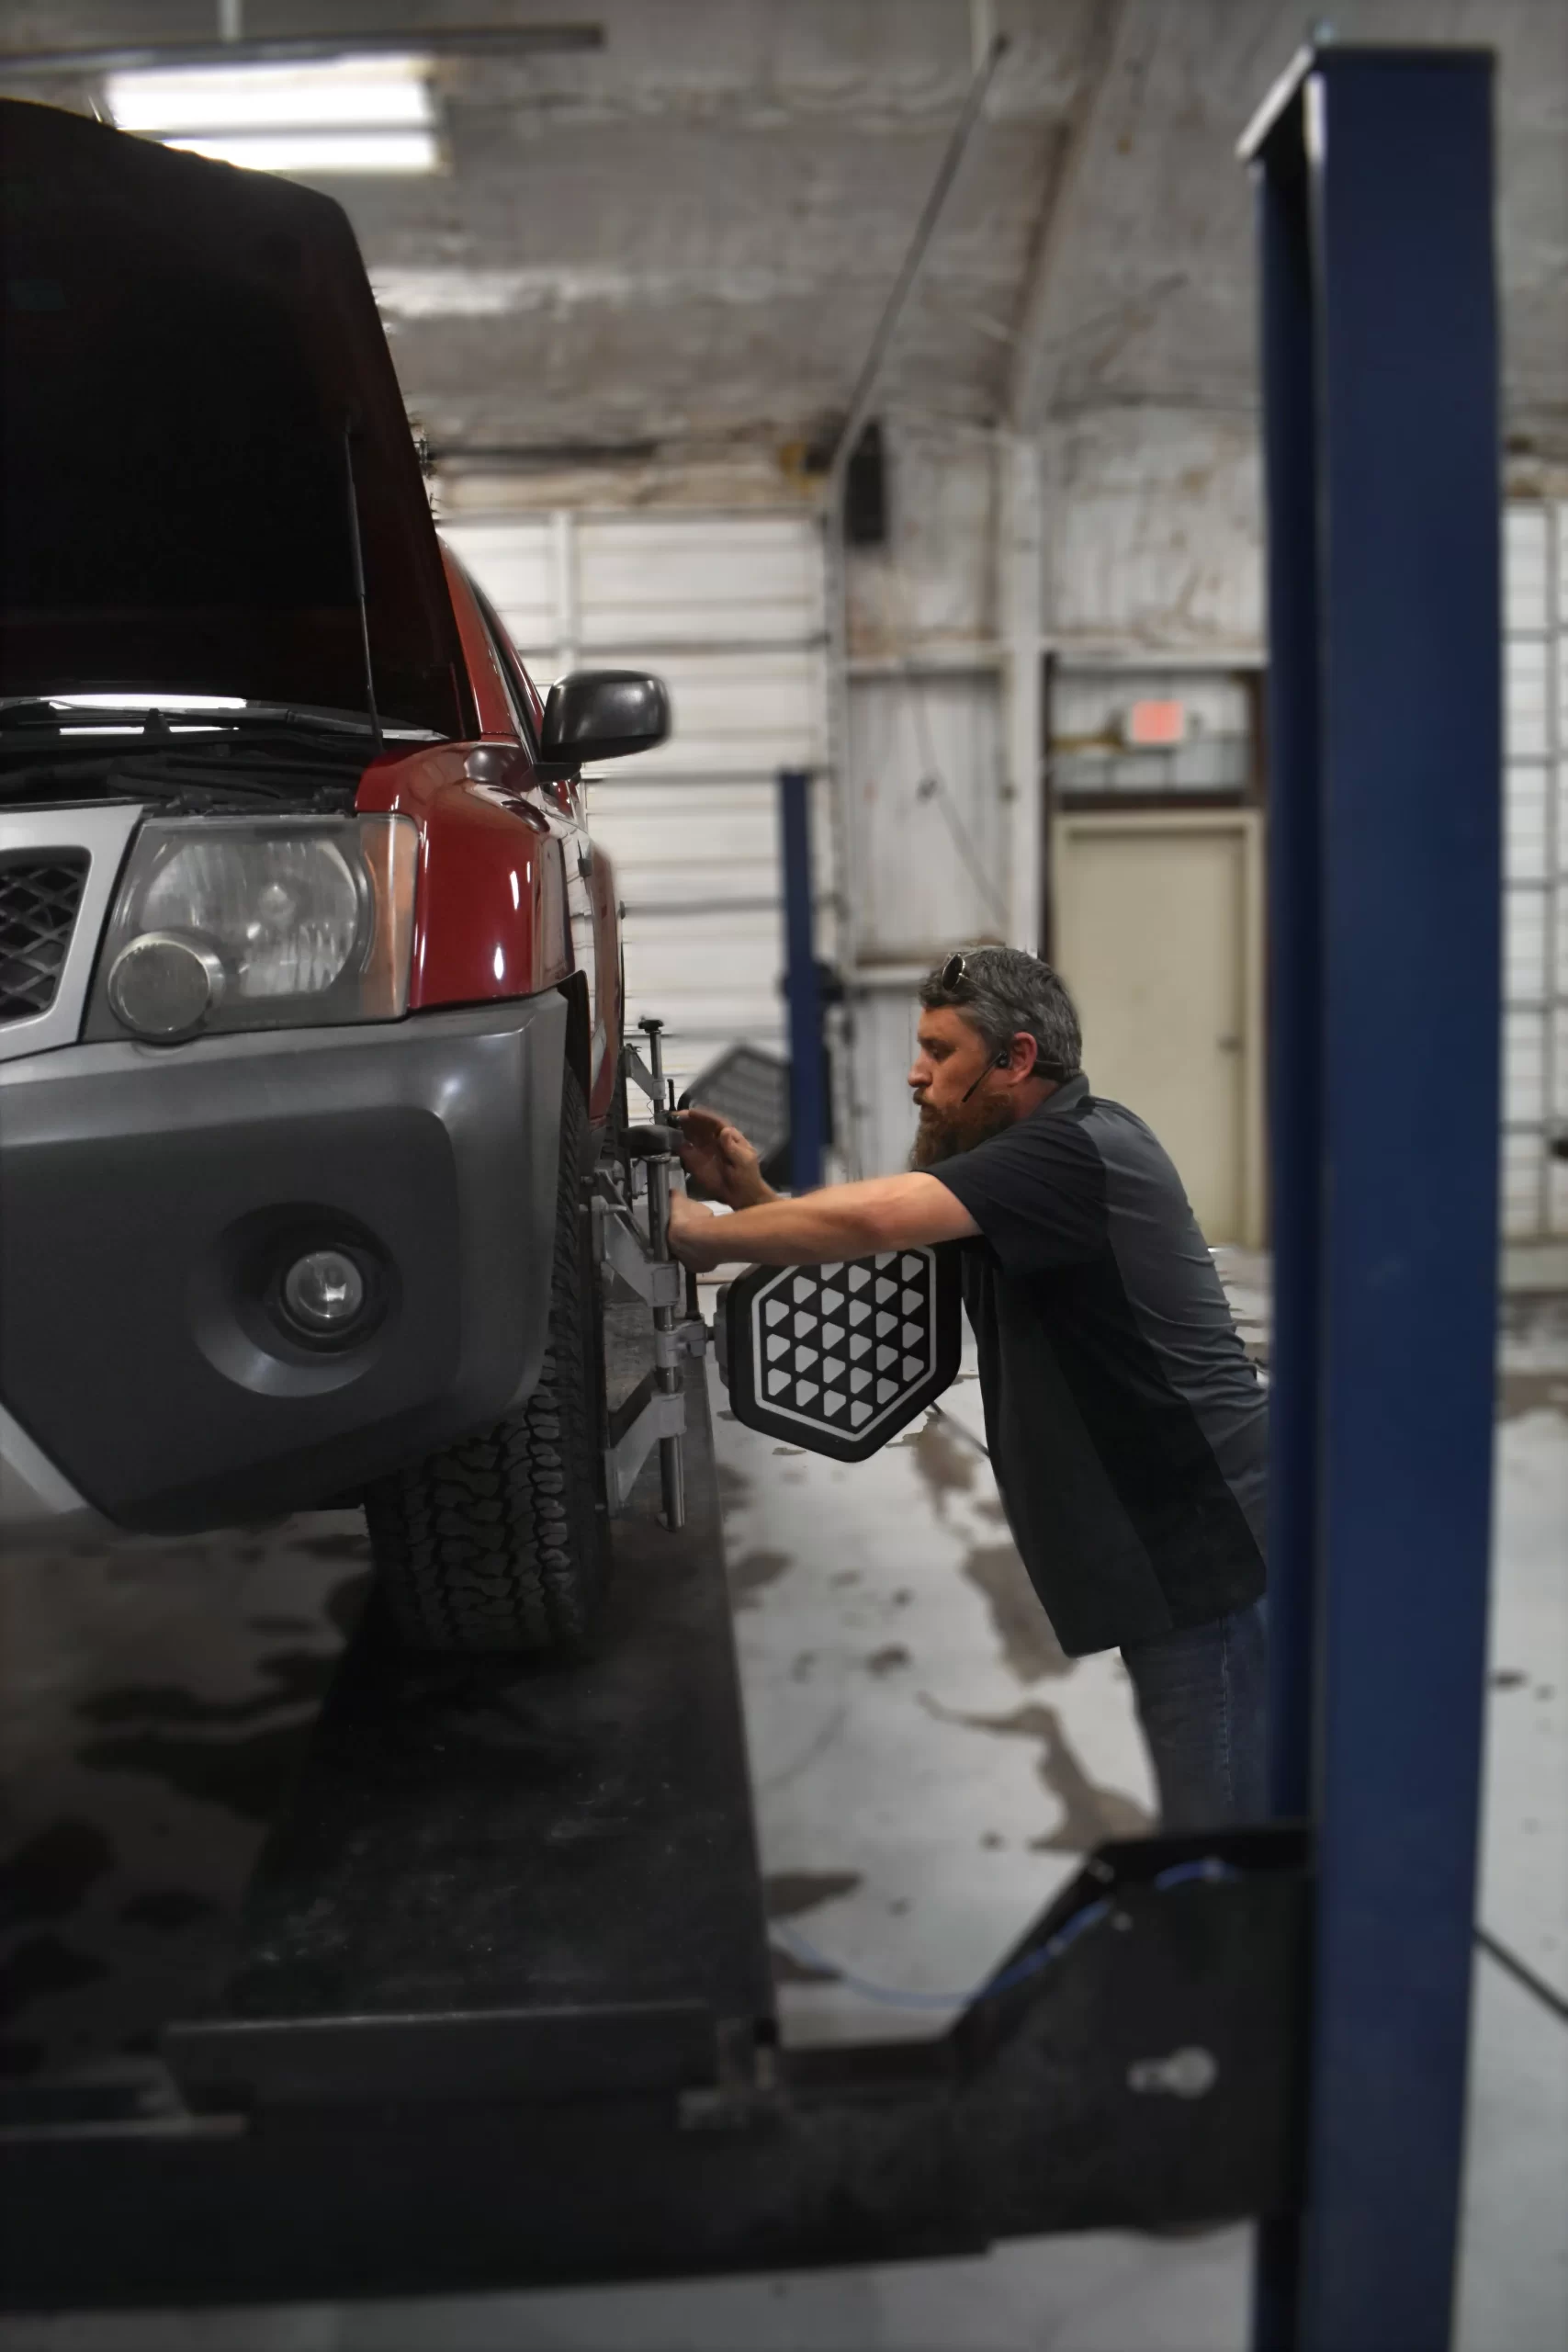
{"x": 730, "y": 610}
{"x": 1535, "y": 1107}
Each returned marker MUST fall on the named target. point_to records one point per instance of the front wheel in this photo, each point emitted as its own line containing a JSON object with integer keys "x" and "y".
{"x": 501, "y": 1542}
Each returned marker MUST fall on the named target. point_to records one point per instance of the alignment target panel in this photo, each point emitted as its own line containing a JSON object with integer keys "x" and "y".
{"x": 842, "y": 1357}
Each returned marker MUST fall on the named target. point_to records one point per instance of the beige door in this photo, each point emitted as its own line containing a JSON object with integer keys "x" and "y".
{"x": 1157, "y": 930}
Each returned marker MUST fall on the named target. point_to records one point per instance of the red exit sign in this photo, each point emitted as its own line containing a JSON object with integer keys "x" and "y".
{"x": 1154, "y": 726}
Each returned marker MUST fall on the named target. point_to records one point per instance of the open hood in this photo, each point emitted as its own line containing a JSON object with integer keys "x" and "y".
{"x": 185, "y": 347}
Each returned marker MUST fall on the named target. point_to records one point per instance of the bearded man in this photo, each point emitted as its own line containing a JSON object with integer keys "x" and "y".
{"x": 1126, "y": 1425}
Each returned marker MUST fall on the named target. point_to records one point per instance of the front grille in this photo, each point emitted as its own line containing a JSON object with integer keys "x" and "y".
{"x": 39, "y": 899}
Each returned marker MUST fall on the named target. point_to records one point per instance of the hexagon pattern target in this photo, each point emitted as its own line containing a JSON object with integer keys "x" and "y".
{"x": 839, "y": 1358}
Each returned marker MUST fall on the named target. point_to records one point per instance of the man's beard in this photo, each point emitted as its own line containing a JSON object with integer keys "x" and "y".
{"x": 942, "y": 1134}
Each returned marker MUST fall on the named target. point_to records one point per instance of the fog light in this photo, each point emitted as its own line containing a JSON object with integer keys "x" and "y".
{"x": 163, "y": 987}
{"x": 323, "y": 1292}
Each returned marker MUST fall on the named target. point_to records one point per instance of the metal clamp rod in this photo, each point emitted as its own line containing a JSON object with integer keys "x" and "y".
{"x": 617, "y": 1244}
{"x": 688, "y": 1338}
{"x": 658, "y": 1086}
{"x": 649, "y": 1413}
{"x": 657, "y": 1410}
{"x": 636, "y": 1069}
{"x": 667, "y": 1368}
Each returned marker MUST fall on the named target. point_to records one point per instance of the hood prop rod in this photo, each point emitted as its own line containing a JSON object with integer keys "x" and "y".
{"x": 358, "y": 553}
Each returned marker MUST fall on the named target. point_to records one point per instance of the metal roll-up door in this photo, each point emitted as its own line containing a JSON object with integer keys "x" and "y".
{"x": 1534, "y": 961}
{"x": 729, "y": 608}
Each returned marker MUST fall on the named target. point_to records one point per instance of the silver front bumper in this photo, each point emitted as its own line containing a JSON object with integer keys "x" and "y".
{"x": 36, "y": 1500}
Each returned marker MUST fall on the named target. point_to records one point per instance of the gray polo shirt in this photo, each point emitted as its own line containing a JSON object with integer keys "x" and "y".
{"x": 1127, "y": 1425}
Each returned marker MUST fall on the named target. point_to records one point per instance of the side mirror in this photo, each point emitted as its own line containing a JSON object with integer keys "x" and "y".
{"x": 604, "y": 715}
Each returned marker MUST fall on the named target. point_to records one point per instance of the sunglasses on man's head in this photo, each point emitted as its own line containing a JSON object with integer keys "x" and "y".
{"x": 952, "y": 971}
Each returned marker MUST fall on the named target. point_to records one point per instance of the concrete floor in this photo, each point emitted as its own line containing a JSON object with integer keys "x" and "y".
{"x": 928, "y": 1770}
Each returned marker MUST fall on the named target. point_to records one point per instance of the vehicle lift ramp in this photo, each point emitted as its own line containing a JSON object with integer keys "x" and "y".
{"x": 501, "y": 2012}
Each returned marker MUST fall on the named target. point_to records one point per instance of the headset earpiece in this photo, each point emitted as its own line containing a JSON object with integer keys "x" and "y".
{"x": 1002, "y": 1061}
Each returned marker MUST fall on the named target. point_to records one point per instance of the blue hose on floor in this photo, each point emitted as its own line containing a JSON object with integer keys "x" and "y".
{"x": 890, "y": 1996}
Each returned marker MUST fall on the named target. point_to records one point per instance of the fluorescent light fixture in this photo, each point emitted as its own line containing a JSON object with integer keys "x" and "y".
{"x": 310, "y": 151}
{"x": 340, "y": 114}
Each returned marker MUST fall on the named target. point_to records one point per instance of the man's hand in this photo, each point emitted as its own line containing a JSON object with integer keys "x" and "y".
{"x": 696, "y": 1235}
{"x": 721, "y": 1160}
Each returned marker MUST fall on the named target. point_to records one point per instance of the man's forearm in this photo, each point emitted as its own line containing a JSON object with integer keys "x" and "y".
{"x": 841, "y": 1221}
{"x": 806, "y": 1232}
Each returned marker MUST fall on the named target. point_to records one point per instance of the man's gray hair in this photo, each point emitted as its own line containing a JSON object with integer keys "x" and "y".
{"x": 1001, "y": 990}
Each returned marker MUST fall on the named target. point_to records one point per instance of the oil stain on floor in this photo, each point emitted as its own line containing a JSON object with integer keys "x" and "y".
{"x": 752, "y": 1572}
{"x": 1027, "y": 1643}
{"x": 1088, "y": 1814}
{"x": 787, "y": 1894}
{"x": 158, "y": 1703}
{"x": 946, "y": 1464}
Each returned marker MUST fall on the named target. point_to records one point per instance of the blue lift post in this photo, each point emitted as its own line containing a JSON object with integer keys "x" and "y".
{"x": 1374, "y": 175}
{"x": 808, "y": 1120}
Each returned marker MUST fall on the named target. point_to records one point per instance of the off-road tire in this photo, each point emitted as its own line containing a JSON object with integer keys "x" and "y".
{"x": 501, "y": 1542}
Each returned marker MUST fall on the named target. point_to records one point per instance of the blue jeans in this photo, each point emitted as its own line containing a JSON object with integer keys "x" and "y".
{"x": 1200, "y": 1694}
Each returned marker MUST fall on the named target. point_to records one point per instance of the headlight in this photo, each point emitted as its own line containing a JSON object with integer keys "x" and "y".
{"x": 259, "y": 923}
{"x": 287, "y": 910}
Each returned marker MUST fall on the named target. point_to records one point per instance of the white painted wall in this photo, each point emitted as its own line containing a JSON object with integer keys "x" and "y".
{"x": 1154, "y": 532}
{"x": 932, "y": 589}
{"x": 923, "y": 794}
{"x": 1151, "y": 542}
{"x": 924, "y": 800}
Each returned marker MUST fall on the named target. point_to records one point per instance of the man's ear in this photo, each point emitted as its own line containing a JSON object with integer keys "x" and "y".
{"x": 1022, "y": 1055}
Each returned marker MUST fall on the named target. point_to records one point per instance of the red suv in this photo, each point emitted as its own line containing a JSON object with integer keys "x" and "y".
{"x": 309, "y": 1009}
